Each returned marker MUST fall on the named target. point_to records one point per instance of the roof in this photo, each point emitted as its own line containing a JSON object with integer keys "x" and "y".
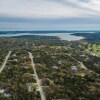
{"x": 1, "y": 90}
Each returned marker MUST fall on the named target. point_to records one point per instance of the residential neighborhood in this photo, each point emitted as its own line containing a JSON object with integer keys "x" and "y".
{"x": 48, "y": 72}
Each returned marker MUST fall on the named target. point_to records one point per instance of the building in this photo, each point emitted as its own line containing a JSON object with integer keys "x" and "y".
{"x": 7, "y": 94}
{"x": 1, "y": 91}
{"x": 55, "y": 67}
{"x": 74, "y": 68}
{"x": 29, "y": 86}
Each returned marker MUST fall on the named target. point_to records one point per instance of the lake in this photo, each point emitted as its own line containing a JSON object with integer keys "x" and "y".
{"x": 62, "y": 36}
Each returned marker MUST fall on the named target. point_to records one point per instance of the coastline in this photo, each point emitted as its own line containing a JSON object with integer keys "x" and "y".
{"x": 62, "y": 36}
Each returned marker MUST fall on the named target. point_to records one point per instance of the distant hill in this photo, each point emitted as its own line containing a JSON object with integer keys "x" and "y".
{"x": 92, "y": 37}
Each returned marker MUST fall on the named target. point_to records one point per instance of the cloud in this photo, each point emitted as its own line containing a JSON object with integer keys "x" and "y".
{"x": 85, "y": 1}
{"x": 49, "y": 13}
{"x": 49, "y": 8}
{"x": 34, "y": 26}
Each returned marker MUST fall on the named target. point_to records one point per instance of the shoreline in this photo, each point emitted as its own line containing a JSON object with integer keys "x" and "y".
{"x": 61, "y": 36}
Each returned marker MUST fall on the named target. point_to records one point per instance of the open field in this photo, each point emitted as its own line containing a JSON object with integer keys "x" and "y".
{"x": 96, "y": 49}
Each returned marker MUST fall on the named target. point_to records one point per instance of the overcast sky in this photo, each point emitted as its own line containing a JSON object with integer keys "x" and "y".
{"x": 49, "y": 14}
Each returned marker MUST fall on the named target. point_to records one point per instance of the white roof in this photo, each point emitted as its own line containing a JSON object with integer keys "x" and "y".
{"x": 73, "y": 67}
{"x": 1, "y": 90}
{"x": 7, "y": 94}
{"x": 55, "y": 67}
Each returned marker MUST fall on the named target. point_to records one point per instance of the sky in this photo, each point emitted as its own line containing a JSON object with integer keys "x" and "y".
{"x": 49, "y": 14}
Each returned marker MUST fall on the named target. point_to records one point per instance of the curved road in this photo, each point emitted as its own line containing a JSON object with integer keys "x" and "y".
{"x": 4, "y": 64}
{"x": 37, "y": 79}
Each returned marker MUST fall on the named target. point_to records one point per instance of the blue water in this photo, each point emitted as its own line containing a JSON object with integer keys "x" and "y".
{"x": 63, "y": 35}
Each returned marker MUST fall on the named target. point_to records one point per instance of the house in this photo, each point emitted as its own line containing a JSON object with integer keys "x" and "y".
{"x": 29, "y": 86}
{"x": 15, "y": 60}
{"x": 25, "y": 67}
{"x": 14, "y": 55}
{"x": 1, "y": 91}
{"x": 82, "y": 55}
{"x": 55, "y": 67}
{"x": 7, "y": 94}
{"x": 97, "y": 64}
{"x": 74, "y": 68}
{"x": 33, "y": 44}
{"x": 54, "y": 57}
{"x": 59, "y": 62}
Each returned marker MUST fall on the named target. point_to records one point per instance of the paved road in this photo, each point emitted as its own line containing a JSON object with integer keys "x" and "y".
{"x": 37, "y": 79}
{"x": 4, "y": 64}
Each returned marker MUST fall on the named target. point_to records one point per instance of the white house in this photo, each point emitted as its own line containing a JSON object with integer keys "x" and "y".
{"x": 7, "y": 94}
{"x": 14, "y": 55}
{"x": 1, "y": 90}
{"x": 54, "y": 67}
{"x": 74, "y": 68}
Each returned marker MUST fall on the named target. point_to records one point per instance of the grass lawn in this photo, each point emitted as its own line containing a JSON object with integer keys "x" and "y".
{"x": 96, "y": 49}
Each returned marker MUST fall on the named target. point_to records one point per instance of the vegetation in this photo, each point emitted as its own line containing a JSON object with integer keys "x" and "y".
{"x": 66, "y": 70}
